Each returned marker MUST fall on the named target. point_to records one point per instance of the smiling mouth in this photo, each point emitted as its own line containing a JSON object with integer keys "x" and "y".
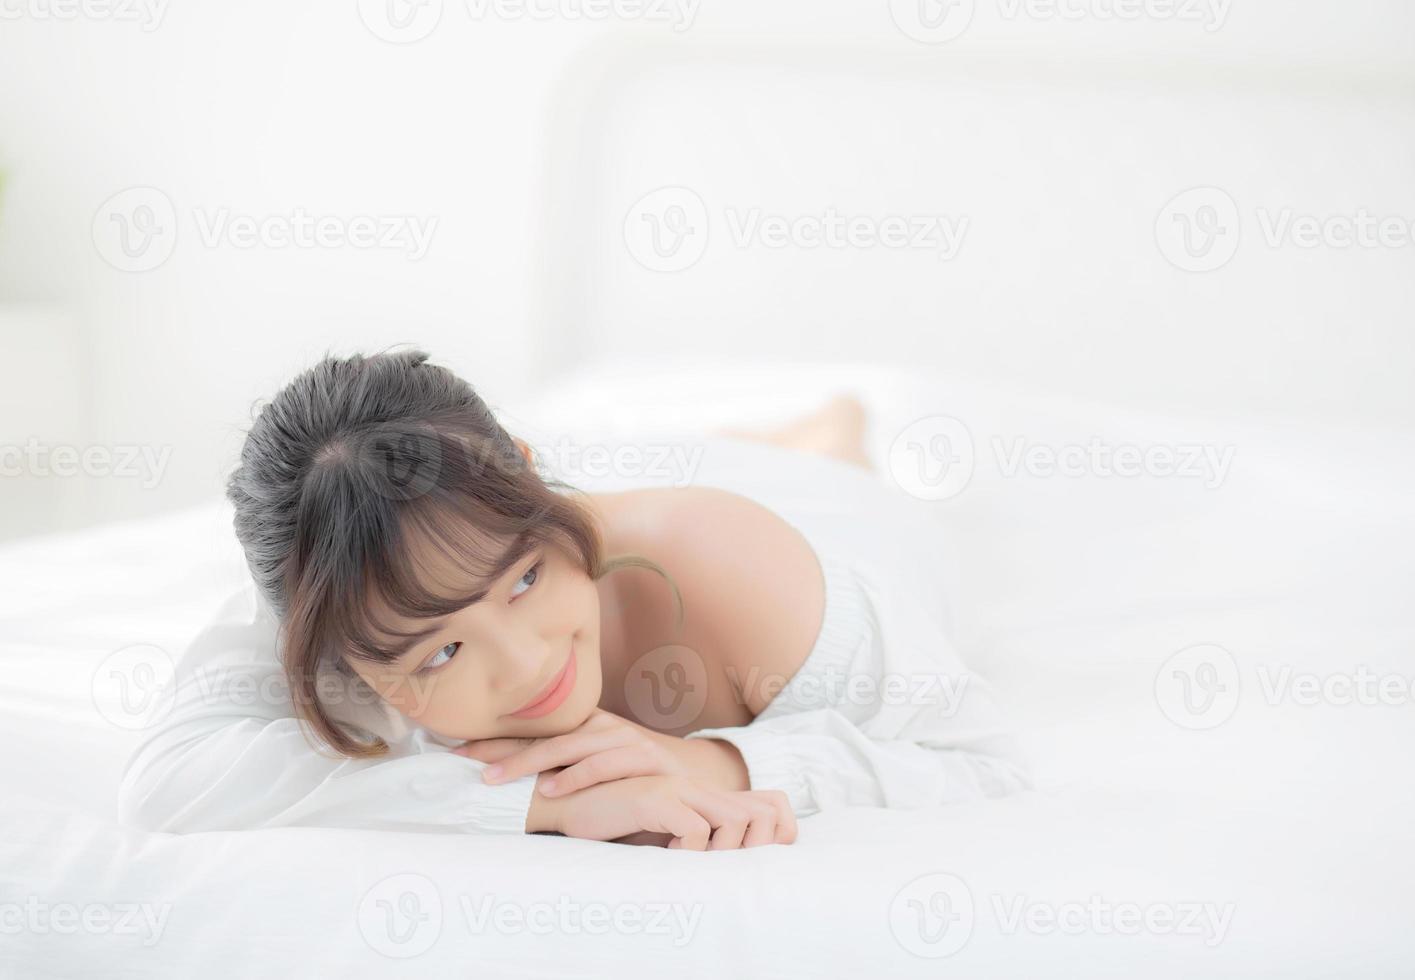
{"x": 553, "y": 694}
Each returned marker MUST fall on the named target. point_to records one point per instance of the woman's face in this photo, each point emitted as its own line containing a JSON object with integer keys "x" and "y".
{"x": 522, "y": 662}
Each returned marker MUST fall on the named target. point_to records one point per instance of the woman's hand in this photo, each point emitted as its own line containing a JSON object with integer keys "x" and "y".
{"x": 692, "y": 817}
{"x": 605, "y": 748}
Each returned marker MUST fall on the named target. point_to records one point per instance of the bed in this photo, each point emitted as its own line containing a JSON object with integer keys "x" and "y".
{"x": 1256, "y": 824}
{"x": 1269, "y": 839}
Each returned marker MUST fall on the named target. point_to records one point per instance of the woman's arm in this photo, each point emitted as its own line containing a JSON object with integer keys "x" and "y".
{"x": 882, "y": 712}
{"x": 225, "y": 752}
{"x": 821, "y": 760}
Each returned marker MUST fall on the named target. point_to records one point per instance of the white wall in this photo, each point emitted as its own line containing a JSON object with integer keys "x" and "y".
{"x": 527, "y": 140}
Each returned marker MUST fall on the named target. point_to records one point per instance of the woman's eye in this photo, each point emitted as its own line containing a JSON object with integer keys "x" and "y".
{"x": 442, "y": 656}
{"x": 533, "y": 573}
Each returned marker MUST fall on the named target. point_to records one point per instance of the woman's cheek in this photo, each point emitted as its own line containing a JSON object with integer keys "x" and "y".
{"x": 419, "y": 699}
{"x": 425, "y": 699}
{"x": 457, "y": 706}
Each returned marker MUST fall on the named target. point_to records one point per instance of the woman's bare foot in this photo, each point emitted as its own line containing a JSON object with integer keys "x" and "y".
{"x": 835, "y": 429}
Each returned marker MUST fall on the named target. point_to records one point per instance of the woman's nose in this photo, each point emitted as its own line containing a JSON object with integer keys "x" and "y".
{"x": 523, "y": 664}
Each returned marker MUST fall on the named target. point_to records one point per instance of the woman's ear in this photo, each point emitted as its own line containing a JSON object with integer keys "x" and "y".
{"x": 525, "y": 449}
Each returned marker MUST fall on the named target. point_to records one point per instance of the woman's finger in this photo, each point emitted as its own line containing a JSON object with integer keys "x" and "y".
{"x": 786, "y": 828}
{"x": 730, "y": 831}
{"x": 726, "y": 813}
{"x": 602, "y": 767}
{"x": 689, "y": 829}
{"x": 763, "y": 826}
{"x": 549, "y": 753}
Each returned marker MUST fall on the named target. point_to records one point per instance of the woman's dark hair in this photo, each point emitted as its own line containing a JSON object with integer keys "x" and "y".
{"x": 339, "y": 469}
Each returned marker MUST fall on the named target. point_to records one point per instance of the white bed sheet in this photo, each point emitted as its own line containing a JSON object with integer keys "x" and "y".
{"x": 1071, "y": 594}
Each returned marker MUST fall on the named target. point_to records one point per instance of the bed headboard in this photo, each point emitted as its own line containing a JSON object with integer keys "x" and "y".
{"x": 1046, "y": 179}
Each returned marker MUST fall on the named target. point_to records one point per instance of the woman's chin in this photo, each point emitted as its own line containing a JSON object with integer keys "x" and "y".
{"x": 560, "y": 729}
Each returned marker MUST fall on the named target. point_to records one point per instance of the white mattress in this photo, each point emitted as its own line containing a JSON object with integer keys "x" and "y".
{"x": 1288, "y": 823}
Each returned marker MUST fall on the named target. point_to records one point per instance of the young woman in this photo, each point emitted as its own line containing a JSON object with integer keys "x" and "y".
{"x": 439, "y": 638}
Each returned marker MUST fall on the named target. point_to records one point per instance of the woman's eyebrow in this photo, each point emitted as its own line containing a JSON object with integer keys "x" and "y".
{"x": 408, "y": 644}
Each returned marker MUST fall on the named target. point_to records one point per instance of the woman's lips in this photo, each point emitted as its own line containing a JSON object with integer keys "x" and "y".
{"x": 554, "y": 694}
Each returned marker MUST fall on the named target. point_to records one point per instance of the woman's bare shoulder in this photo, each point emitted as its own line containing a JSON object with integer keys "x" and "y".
{"x": 753, "y": 591}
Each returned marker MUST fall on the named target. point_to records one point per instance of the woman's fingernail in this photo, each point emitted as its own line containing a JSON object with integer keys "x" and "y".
{"x": 491, "y": 772}
{"x": 548, "y": 786}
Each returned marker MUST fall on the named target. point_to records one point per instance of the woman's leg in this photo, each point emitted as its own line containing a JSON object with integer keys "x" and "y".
{"x": 835, "y": 429}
